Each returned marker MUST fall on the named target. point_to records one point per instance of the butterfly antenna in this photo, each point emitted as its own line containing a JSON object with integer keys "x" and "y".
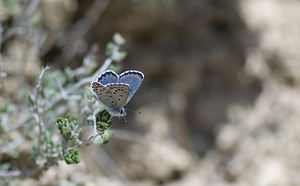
{"x": 133, "y": 111}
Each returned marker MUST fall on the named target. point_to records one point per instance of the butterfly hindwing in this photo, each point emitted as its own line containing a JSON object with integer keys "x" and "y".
{"x": 134, "y": 79}
{"x": 115, "y": 91}
{"x": 108, "y": 77}
{"x": 113, "y": 95}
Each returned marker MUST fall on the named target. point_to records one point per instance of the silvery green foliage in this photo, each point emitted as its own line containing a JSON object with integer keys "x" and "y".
{"x": 68, "y": 128}
{"x": 72, "y": 157}
{"x": 51, "y": 116}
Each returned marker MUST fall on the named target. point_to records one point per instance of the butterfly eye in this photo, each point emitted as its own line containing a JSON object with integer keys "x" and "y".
{"x": 122, "y": 112}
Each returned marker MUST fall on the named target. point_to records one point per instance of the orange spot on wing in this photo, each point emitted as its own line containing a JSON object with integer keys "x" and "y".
{"x": 95, "y": 86}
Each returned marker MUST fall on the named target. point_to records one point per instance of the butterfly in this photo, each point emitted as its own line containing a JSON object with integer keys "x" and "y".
{"x": 115, "y": 91}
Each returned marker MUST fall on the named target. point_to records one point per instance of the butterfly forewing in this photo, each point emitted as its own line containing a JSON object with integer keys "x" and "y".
{"x": 108, "y": 77}
{"x": 113, "y": 96}
{"x": 134, "y": 79}
{"x": 115, "y": 91}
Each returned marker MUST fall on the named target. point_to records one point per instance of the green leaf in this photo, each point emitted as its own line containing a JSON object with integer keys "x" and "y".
{"x": 2, "y": 129}
{"x": 69, "y": 129}
{"x": 110, "y": 47}
{"x": 12, "y": 6}
{"x": 72, "y": 157}
{"x": 5, "y": 166}
{"x": 103, "y": 138}
{"x": 121, "y": 55}
{"x": 114, "y": 68}
{"x": 31, "y": 98}
{"x": 118, "y": 39}
{"x": 107, "y": 136}
{"x": 71, "y": 119}
{"x": 35, "y": 19}
{"x": 68, "y": 72}
{"x": 7, "y": 107}
{"x": 103, "y": 120}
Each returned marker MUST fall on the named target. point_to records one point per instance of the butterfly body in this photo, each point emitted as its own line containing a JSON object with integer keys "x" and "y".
{"x": 115, "y": 91}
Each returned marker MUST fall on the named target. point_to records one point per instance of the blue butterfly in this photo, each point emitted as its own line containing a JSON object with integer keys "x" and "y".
{"x": 115, "y": 91}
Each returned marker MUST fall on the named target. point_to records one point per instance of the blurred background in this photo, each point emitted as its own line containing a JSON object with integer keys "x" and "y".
{"x": 220, "y": 101}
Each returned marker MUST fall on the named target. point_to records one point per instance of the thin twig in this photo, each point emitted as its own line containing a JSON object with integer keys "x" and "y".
{"x": 2, "y": 74}
{"x": 1, "y": 30}
{"x": 11, "y": 145}
{"x": 27, "y": 173}
{"x": 10, "y": 174}
{"x": 55, "y": 100}
{"x": 81, "y": 27}
{"x": 19, "y": 124}
{"x": 15, "y": 28}
{"x": 94, "y": 124}
{"x": 59, "y": 97}
{"x": 61, "y": 89}
{"x": 83, "y": 81}
{"x": 37, "y": 114}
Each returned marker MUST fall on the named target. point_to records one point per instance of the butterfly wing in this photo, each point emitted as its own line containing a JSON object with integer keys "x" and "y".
{"x": 134, "y": 79}
{"x": 108, "y": 77}
{"x": 113, "y": 96}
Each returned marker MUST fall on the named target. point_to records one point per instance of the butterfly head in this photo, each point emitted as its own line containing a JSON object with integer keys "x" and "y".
{"x": 117, "y": 112}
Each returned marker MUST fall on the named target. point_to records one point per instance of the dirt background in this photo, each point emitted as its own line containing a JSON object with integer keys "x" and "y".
{"x": 220, "y": 101}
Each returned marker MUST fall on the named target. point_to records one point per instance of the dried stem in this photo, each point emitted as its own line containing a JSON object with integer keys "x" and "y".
{"x": 81, "y": 27}
{"x": 94, "y": 124}
{"x": 84, "y": 25}
{"x": 1, "y": 30}
{"x": 10, "y": 174}
{"x": 11, "y": 145}
{"x": 2, "y": 74}
{"x": 37, "y": 113}
{"x": 68, "y": 91}
{"x": 15, "y": 28}
{"x": 27, "y": 173}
